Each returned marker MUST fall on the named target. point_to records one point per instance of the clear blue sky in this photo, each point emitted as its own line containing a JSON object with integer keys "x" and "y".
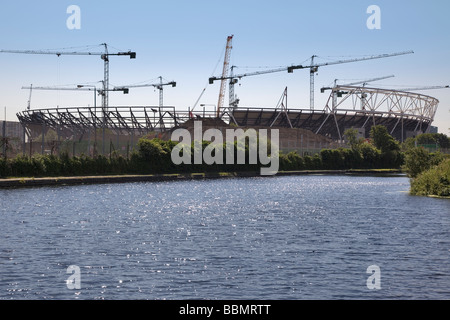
{"x": 184, "y": 41}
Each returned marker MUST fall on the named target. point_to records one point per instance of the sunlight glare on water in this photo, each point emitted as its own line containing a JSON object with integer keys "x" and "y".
{"x": 304, "y": 237}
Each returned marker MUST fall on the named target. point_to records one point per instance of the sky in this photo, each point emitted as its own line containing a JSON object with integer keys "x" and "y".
{"x": 184, "y": 41}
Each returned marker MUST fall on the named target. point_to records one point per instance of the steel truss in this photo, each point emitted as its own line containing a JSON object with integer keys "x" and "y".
{"x": 76, "y": 121}
{"x": 401, "y": 112}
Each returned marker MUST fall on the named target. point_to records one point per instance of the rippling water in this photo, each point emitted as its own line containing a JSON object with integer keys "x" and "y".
{"x": 303, "y": 237}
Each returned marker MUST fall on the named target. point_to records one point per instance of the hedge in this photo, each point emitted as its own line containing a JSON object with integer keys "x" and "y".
{"x": 154, "y": 156}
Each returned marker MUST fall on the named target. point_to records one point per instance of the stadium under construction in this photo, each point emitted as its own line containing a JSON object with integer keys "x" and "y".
{"x": 103, "y": 129}
{"x": 405, "y": 114}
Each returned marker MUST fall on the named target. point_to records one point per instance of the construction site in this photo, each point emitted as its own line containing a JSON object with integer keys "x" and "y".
{"x": 106, "y": 129}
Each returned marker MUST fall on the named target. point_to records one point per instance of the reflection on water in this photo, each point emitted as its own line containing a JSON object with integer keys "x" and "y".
{"x": 308, "y": 237}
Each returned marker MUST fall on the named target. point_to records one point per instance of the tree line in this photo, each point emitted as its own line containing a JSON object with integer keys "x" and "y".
{"x": 153, "y": 156}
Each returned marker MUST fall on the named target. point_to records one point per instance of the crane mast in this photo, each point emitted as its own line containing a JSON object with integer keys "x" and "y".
{"x": 312, "y": 71}
{"x": 223, "y": 85}
{"x": 105, "y": 94}
{"x": 233, "y": 100}
{"x": 29, "y": 98}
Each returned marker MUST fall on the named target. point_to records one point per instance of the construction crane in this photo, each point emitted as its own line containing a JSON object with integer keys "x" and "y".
{"x": 234, "y": 79}
{"x": 103, "y": 55}
{"x": 223, "y": 85}
{"x": 77, "y": 88}
{"x": 159, "y": 86}
{"x": 363, "y": 83}
{"x": 29, "y": 98}
{"x": 425, "y": 88}
{"x": 313, "y": 69}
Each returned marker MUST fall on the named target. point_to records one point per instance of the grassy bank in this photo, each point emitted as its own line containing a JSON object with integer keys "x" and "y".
{"x": 29, "y": 182}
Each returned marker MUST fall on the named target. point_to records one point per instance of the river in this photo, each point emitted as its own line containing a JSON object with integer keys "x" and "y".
{"x": 270, "y": 238}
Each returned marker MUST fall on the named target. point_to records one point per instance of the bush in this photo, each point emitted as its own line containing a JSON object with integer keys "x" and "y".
{"x": 4, "y": 168}
{"x": 370, "y": 155}
{"x": 391, "y": 159}
{"x": 296, "y": 160}
{"x": 291, "y": 162}
{"x": 152, "y": 156}
{"x": 309, "y": 162}
{"x": 317, "y": 162}
{"x": 328, "y": 160}
{"x": 53, "y": 166}
{"x": 21, "y": 166}
{"x": 353, "y": 158}
{"x": 418, "y": 160}
{"x": 435, "y": 181}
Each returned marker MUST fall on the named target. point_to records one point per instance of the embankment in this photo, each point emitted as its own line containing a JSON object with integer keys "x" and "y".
{"x": 107, "y": 179}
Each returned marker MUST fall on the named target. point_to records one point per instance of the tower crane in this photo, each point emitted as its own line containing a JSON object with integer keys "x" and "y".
{"x": 29, "y": 98}
{"x": 234, "y": 79}
{"x": 77, "y": 88}
{"x": 103, "y": 55}
{"x": 159, "y": 86}
{"x": 314, "y": 67}
{"x": 425, "y": 88}
{"x": 363, "y": 83}
{"x": 223, "y": 84}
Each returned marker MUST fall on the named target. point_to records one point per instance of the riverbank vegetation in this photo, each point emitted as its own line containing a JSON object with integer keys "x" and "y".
{"x": 429, "y": 172}
{"x": 153, "y": 156}
{"x": 433, "y": 182}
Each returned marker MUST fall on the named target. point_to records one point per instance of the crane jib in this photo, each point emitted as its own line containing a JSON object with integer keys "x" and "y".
{"x": 132, "y": 55}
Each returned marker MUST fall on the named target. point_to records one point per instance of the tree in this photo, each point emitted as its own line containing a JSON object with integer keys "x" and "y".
{"x": 442, "y": 140}
{"x": 371, "y": 156}
{"x": 351, "y": 136}
{"x": 426, "y": 138}
{"x": 383, "y": 140}
{"x": 417, "y": 160}
{"x": 152, "y": 155}
{"x": 438, "y": 139}
{"x": 391, "y": 157}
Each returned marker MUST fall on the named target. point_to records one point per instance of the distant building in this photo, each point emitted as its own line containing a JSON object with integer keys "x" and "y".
{"x": 434, "y": 129}
{"x": 13, "y": 129}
